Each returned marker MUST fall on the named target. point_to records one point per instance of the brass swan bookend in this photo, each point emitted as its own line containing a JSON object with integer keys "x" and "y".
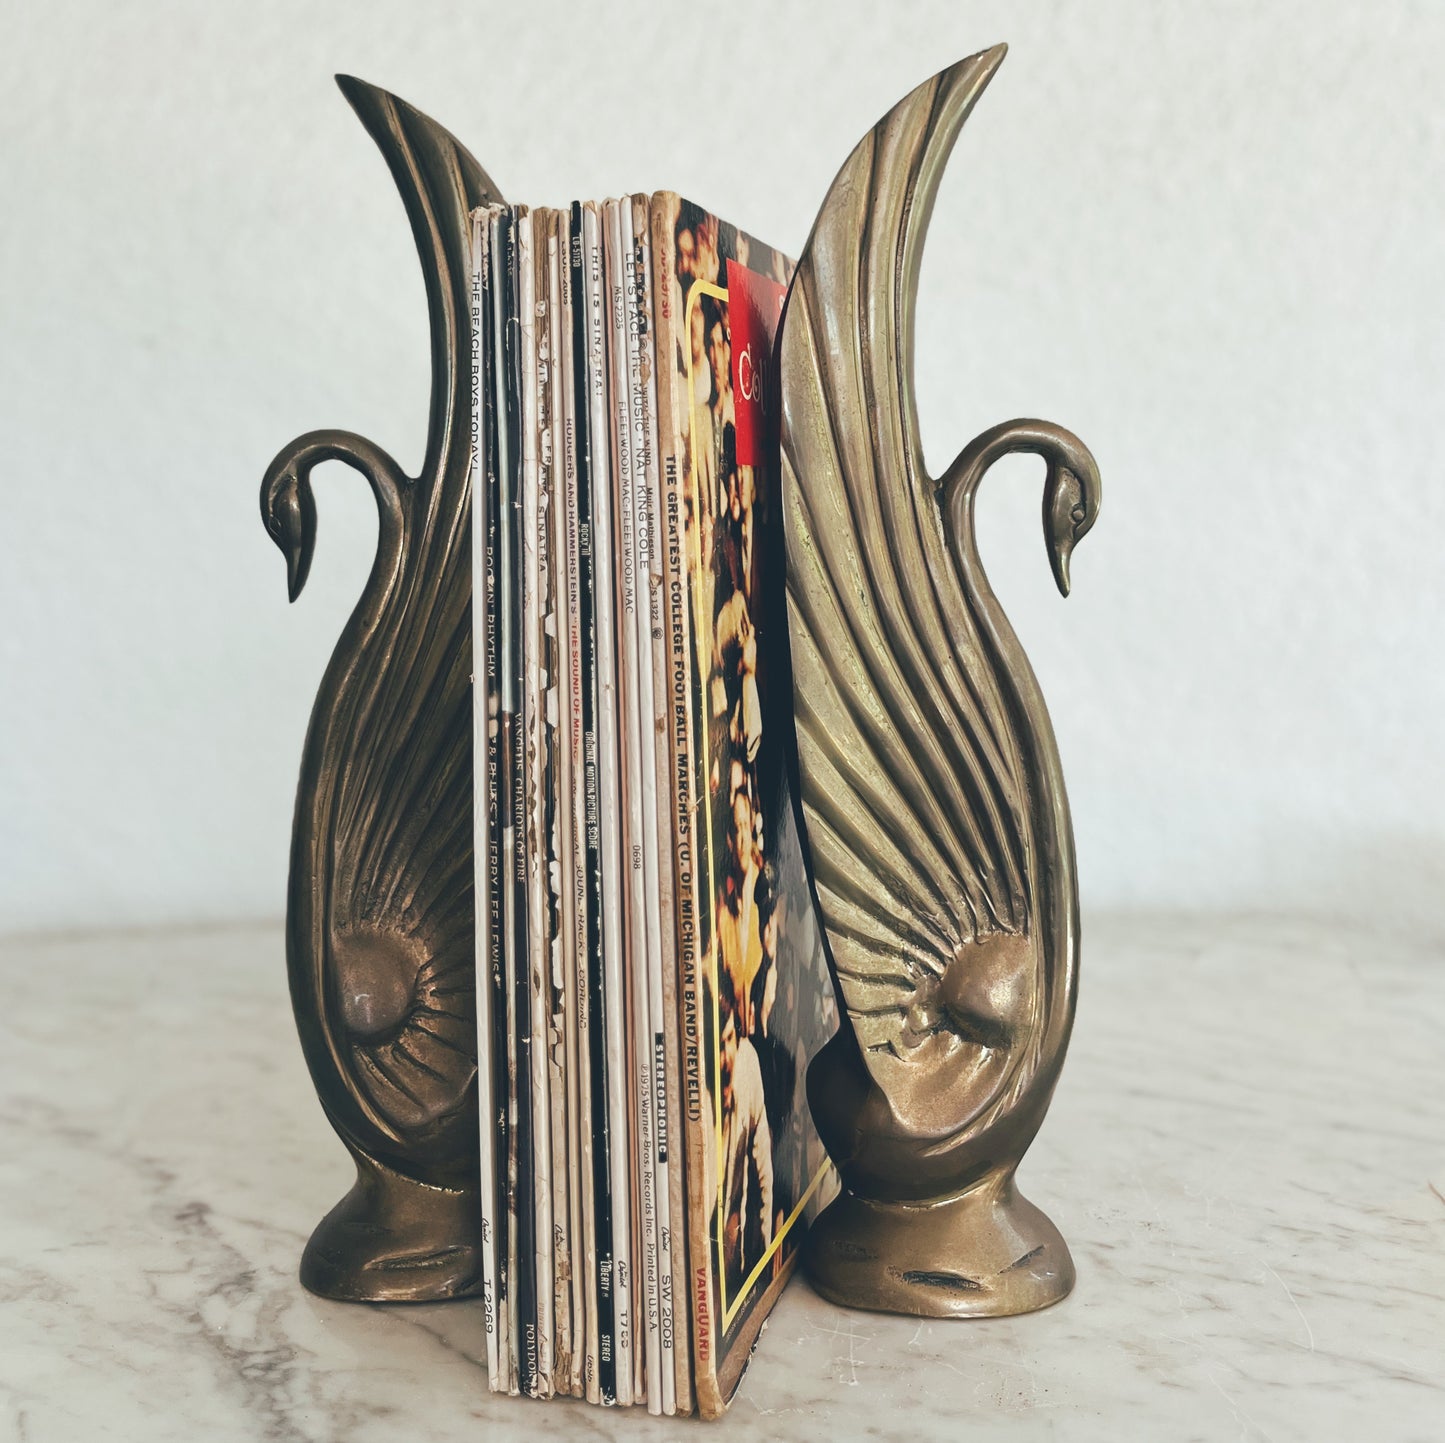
{"x": 379, "y": 925}
{"x": 931, "y": 790}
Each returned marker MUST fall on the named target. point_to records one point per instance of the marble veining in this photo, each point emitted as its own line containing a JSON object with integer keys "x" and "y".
{"x": 1246, "y": 1153}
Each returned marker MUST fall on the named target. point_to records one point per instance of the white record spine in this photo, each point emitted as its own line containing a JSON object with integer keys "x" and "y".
{"x": 579, "y": 1091}
{"x": 609, "y": 780}
{"x": 641, "y": 917}
{"x": 650, "y": 636}
{"x": 566, "y": 1206}
{"x": 538, "y": 957}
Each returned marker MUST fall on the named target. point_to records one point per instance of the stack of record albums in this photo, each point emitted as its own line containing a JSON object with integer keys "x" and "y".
{"x": 651, "y": 981}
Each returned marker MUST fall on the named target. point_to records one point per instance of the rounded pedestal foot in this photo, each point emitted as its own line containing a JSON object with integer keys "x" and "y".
{"x": 986, "y": 1253}
{"x": 394, "y": 1240}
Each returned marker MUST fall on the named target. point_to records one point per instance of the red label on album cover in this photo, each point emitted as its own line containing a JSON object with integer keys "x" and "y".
{"x": 754, "y": 305}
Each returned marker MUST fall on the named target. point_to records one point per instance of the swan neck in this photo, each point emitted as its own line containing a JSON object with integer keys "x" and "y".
{"x": 388, "y": 484}
{"x": 381, "y": 472}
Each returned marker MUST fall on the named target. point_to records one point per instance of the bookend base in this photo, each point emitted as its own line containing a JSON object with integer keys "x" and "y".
{"x": 984, "y": 1253}
{"x": 392, "y": 1239}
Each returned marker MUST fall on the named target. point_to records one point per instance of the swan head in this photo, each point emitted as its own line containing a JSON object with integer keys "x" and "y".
{"x": 1071, "y": 500}
{"x": 289, "y": 510}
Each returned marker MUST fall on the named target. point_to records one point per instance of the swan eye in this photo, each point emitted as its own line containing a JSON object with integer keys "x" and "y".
{"x": 1077, "y": 513}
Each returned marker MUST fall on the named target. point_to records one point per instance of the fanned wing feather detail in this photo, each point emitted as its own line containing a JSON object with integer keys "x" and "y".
{"x": 382, "y": 923}
{"x": 916, "y": 794}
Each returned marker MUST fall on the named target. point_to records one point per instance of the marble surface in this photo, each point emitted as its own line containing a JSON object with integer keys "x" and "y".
{"x": 1247, "y": 1154}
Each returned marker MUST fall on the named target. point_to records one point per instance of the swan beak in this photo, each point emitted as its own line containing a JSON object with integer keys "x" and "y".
{"x": 289, "y": 510}
{"x": 1059, "y": 561}
{"x": 298, "y": 567}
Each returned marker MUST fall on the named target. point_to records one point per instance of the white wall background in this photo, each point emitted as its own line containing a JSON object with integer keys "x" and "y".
{"x": 1207, "y": 237}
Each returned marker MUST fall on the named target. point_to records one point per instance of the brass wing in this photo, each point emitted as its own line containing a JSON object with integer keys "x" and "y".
{"x": 380, "y": 928}
{"x": 934, "y": 812}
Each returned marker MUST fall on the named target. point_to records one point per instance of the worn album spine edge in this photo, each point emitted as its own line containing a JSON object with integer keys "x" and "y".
{"x": 579, "y": 1091}
{"x": 495, "y": 767}
{"x": 601, "y": 1283}
{"x": 480, "y": 258}
{"x": 522, "y": 1265}
{"x": 642, "y": 792}
{"x": 627, "y": 906}
{"x": 672, "y": 580}
{"x": 656, "y": 818}
{"x": 691, "y": 850}
{"x": 561, "y": 1042}
{"x": 646, "y": 1361}
{"x": 536, "y": 844}
{"x": 647, "y": 982}
{"x": 620, "y": 1129}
